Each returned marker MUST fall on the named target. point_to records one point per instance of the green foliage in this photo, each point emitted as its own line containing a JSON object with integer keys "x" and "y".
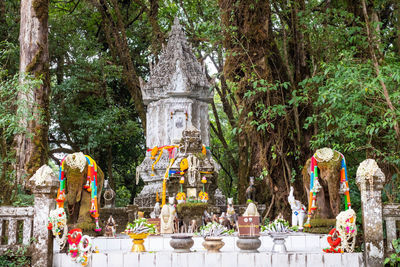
{"x": 13, "y": 111}
{"x": 394, "y": 258}
{"x": 15, "y": 258}
{"x": 22, "y": 199}
{"x": 123, "y": 197}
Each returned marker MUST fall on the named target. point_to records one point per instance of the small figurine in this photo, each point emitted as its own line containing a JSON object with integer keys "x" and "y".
{"x": 156, "y": 212}
{"x": 111, "y": 227}
{"x": 140, "y": 214}
{"x": 298, "y": 210}
{"x": 231, "y": 214}
{"x": 167, "y": 220}
{"x": 192, "y": 227}
{"x": 206, "y": 217}
{"x": 251, "y": 190}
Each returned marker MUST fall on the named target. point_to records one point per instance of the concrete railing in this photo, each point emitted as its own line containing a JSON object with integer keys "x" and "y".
{"x": 27, "y": 226}
{"x": 15, "y": 227}
{"x": 391, "y": 214}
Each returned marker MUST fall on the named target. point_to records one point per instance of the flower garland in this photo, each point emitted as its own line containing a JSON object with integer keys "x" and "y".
{"x": 80, "y": 246}
{"x": 203, "y": 196}
{"x": 324, "y": 155}
{"x": 57, "y": 223}
{"x": 90, "y": 186}
{"x": 346, "y": 227}
{"x": 181, "y": 196}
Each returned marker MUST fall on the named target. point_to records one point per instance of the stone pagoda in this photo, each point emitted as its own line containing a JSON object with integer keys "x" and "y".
{"x": 177, "y": 97}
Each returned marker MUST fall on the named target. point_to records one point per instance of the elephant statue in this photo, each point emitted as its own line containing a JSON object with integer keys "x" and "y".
{"x": 81, "y": 182}
{"x": 298, "y": 210}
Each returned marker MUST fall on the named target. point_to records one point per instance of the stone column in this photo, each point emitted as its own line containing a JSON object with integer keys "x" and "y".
{"x": 45, "y": 186}
{"x": 370, "y": 180}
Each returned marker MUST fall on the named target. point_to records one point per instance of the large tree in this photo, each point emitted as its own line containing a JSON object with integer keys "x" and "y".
{"x": 268, "y": 126}
{"x": 32, "y": 147}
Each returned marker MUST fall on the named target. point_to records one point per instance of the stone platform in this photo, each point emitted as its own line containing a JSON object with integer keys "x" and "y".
{"x": 303, "y": 250}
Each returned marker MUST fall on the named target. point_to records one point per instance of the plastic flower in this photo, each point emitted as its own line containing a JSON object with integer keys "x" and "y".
{"x": 182, "y": 180}
{"x": 204, "y": 180}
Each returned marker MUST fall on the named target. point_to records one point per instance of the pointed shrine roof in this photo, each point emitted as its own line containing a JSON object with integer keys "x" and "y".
{"x": 177, "y": 73}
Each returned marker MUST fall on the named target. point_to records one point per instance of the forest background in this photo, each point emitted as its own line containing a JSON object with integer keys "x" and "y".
{"x": 289, "y": 77}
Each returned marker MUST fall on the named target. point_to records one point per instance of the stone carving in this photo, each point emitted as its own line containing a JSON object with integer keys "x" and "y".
{"x": 366, "y": 172}
{"x": 167, "y": 220}
{"x": 251, "y": 190}
{"x": 298, "y": 210}
{"x": 177, "y": 97}
{"x": 220, "y": 199}
{"x": 43, "y": 176}
{"x": 156, "y": 212}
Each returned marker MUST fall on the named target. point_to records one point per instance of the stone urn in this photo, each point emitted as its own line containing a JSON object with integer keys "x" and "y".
{"x": 279, "y": 242}
{"x": 213, "y": 244}
{"x": 248, "y": 243}
{"x": 181, "y": 242}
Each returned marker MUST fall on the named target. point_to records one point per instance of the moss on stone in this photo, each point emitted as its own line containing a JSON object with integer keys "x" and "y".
{"x": 191, "y": 207}
{"x": 318, "y": 222}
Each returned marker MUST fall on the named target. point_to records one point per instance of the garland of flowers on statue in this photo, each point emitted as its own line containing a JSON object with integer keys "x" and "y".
{"x": 90, "y": 185}
{"x": 325, "y": 155}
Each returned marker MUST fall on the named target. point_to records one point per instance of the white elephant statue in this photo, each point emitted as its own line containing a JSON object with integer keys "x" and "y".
{"x": 298, "y": 210}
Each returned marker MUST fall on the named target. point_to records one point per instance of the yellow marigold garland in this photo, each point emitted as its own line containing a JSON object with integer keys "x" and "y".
{"x": 181, "y": 196}
{"x": 203, "y": 195}
{"x": 155, "y": 162}
{"x": 184, "y": 165}
{"x": 154, "y": 152}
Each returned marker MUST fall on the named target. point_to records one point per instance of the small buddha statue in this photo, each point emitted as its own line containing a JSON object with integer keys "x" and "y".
{"x": 251, "y": 210}
{"x": 167, "y": 220}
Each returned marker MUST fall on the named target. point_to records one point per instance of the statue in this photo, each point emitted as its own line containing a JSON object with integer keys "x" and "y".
{"x": 167, "y": 220}
{"x": 231, "y": 214}
{"x": 156, "y": 211}
{"x": 192, "y": 227}
{"x": 111, "y": 227}
{"x": 251, "y": 190}
{"x": 251, "y": 210}
{"x": 81, "y": 182}
{"x": 325, "y": 178}
{"x": 298, "y": 210}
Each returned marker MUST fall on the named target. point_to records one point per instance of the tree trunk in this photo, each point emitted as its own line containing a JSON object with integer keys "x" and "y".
{"x": 32, "y": 146}
{"x": 266, "y": 142}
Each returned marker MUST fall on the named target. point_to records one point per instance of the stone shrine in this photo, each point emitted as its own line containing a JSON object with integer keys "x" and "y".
{"x": 177, "y": 97}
